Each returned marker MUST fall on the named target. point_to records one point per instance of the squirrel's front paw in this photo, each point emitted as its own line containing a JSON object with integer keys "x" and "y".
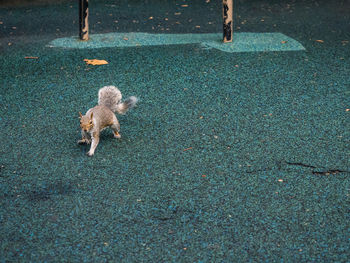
{"x": 89, "y": 153}
{"x": 82, "y": 141}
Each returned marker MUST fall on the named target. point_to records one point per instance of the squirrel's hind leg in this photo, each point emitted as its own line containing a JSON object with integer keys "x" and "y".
{"x": 116, "y": 128}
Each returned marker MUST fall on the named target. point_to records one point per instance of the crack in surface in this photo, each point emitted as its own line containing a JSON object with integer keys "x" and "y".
{"x": 328, "y": 172}
{"x": 324, "y": 172}
{"x": 301, "y": 164}
{"x": 315, "y": 170}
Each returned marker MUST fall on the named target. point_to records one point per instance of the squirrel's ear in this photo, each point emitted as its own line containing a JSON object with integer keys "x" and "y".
{"x": 80, "y": 115}
{"x": 91, "y": 115}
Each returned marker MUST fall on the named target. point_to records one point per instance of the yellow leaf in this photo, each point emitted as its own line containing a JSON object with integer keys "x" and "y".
{"x": 95, "y": 62}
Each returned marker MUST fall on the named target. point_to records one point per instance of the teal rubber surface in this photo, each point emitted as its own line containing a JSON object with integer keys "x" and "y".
{"x": 228, "y": 157}
{"x": 243, "y": 42}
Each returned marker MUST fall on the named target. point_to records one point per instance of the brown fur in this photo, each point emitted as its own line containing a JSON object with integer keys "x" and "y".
{"x": 100, "y": 117}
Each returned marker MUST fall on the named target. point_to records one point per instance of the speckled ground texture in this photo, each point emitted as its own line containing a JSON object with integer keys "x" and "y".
{"x": 229, "y": 157}
{"x": 243, "y": 42}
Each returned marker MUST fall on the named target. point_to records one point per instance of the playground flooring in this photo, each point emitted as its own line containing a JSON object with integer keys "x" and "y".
{"x": 234, "y": 155}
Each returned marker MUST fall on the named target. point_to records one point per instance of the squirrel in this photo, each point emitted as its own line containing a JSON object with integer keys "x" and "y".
{"x": 103, "y": 115}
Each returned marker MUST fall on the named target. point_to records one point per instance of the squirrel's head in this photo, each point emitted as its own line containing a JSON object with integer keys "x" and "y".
{"x": 86, "y": 123}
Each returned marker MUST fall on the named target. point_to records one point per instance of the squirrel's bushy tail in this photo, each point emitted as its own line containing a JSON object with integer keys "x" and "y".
{"x": 110, "y": 96}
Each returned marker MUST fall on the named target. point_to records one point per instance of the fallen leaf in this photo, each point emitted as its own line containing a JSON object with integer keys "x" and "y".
{"x": 189, "y": 148}
{"x": 319, "y": 41}
{"x": 95, "y": 62}
{"x": 125, "y": 38}
{"x": 184, "y": 5}
{"x": 283, "y": 42}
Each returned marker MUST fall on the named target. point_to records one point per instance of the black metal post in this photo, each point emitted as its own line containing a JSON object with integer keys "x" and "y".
{"x": 227, "y": 7}
{"x": 83, "y": 19}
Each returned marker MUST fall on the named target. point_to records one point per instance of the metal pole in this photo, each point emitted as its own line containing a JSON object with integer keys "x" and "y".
{"x": 83, "y": 19}
{"x": 227, "y": 7}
